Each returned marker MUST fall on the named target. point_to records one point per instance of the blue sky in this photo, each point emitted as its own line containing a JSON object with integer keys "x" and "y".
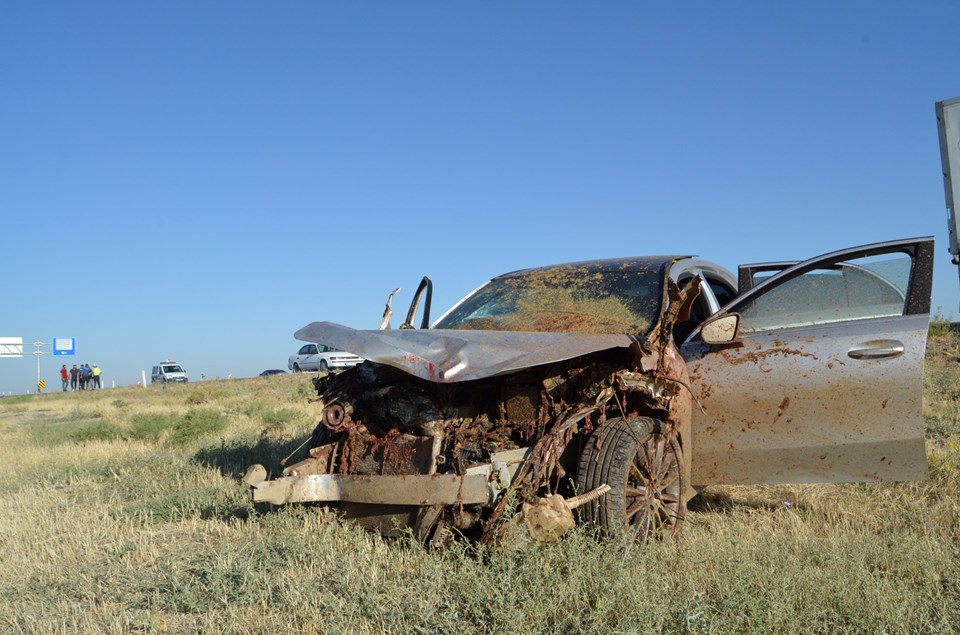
{"x": 198, "y": 180}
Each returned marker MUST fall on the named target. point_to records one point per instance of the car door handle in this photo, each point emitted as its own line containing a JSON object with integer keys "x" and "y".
{"x": 877, "y": 349}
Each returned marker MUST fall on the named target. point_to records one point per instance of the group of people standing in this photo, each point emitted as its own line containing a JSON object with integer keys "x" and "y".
{"x": 82, "y": 378}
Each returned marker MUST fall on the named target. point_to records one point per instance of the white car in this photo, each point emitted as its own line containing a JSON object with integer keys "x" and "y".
{"x": 321, "y": 358}
{"x": 168, "y": 371}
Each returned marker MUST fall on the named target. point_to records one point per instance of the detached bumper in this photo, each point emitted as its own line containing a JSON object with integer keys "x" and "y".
{"x": 479, "y": 485}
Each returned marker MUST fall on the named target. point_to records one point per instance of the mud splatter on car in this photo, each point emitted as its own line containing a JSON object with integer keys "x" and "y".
{"x": 608, "y": 391}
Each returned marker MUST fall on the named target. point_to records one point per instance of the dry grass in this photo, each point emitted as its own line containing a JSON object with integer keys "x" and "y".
{"x": 121, "y": 511}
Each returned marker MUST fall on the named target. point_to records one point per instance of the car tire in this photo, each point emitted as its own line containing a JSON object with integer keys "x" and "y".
{"x": 296, "y": 368}
{"x": 643, "y": 465}
{"x": 323, "y": 366}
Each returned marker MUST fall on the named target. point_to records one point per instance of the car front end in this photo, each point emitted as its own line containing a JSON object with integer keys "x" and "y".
{"x": 451, "y": 428}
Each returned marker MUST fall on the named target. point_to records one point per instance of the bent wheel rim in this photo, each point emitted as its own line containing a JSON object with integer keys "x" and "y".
{"x": 653, "y": 488}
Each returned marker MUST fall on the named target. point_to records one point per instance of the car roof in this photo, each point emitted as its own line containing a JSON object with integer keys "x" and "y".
{"x": 631, "y": 262}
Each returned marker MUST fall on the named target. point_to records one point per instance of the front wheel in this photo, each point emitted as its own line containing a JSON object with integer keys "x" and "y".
{"x": 323, "y": 366}
{"x": 296, "y": 367}
{"x": 643, "y": 465}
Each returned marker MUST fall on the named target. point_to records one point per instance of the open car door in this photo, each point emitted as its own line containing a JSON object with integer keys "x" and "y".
{"x": 824, "y": 381}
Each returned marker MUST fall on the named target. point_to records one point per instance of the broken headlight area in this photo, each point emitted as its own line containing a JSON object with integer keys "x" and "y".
{"x": 393, "y": 451}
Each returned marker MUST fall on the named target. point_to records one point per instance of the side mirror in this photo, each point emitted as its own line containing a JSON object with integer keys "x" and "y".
{"x": 720, "y": 329}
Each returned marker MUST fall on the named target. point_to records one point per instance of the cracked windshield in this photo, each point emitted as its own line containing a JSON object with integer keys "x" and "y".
{"x": 604, "y": 297}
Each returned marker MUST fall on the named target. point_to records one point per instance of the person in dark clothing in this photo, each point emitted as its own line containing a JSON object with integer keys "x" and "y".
{"x": 74, "y": 377}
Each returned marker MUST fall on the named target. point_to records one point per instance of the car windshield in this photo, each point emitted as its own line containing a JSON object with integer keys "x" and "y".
{"x": 172, "y": 369}
{"x": 608, "y": 296}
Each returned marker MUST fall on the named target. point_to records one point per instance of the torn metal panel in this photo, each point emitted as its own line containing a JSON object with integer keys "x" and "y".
{"x": 447, "y": 356}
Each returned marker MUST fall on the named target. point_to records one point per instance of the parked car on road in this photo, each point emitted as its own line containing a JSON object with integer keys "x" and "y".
{"x": 273, "y": 371}
{"x": 167, "y": 372}
{"x": 619, "y": 388}
{"x": 321, "y": 358}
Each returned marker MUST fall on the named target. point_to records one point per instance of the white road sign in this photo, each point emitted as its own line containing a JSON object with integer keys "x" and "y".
{"x": 11, "y": 347}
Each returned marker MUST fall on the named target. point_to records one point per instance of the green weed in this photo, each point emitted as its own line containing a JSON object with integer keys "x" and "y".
{"x": 203, "y": 394}
{"x": 151, "y": 426}
{"x": 97, "y": 431}
{"x": 197, "y": 423}
{"x": 17, "y": 399}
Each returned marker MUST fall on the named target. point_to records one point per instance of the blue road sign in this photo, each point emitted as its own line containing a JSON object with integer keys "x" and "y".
{"x": 64, "y": 346}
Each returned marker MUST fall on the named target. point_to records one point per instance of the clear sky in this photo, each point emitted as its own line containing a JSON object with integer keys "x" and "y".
{"x": 198, "y": 180}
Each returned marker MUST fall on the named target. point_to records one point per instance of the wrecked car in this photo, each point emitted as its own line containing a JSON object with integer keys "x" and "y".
{"x": 612, "y": 391}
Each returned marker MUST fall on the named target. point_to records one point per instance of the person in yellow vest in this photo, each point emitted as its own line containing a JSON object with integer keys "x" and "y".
{"x": 96, "y": 376}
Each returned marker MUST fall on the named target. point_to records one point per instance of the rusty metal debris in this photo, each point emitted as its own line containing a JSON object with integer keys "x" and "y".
{"x": 477, "y": 449}
{"x": 552, "y": 515}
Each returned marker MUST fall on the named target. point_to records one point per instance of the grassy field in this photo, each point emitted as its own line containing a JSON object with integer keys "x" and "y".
{"x": 121, "y": 511}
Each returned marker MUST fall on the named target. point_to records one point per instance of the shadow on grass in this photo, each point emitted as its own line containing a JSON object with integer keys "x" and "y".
{"x": 233, "y": 458}
{"x": 234, "y": 513}
{"x": 723, "y": 503}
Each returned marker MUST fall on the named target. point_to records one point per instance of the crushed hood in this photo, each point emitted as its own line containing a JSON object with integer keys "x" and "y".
{"x": 448, "y": 356}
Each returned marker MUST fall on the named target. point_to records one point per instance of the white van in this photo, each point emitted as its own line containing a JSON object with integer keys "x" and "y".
{"x": 168, "y": 371}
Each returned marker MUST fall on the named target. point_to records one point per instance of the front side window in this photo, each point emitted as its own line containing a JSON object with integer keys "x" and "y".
{"x": 862, "y": 288}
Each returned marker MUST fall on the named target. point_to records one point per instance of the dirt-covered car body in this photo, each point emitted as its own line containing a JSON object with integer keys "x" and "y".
{"x": 618, "y": 386}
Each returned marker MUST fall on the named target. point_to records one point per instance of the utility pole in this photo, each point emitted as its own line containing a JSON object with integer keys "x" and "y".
{"x": 38, "y": 352}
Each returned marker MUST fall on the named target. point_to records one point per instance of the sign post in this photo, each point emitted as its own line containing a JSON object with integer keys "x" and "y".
{"x": 38, "y": 352}
{"x": 13, "y": 347}
{"x": 948, "y": 127}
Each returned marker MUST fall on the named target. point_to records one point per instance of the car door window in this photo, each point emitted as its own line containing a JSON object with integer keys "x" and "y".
{"x": 862, "y": 288}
